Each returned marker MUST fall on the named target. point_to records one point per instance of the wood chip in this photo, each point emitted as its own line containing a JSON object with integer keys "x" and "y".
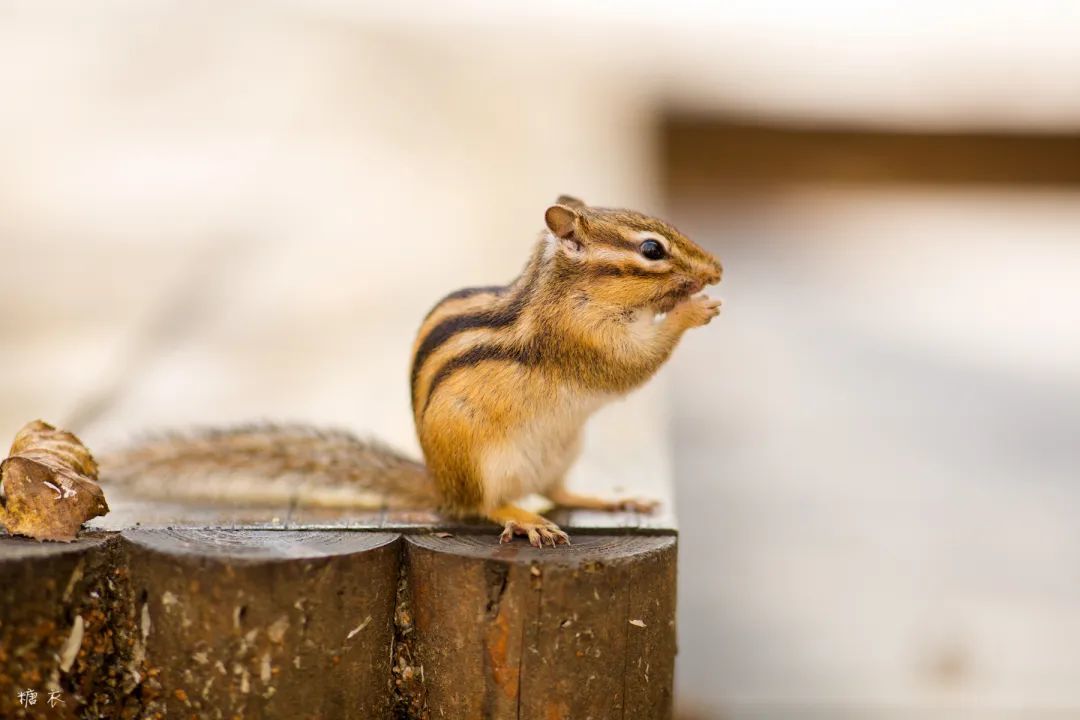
{"x": 637, "y": 623}
{"x": 48, "y": 485}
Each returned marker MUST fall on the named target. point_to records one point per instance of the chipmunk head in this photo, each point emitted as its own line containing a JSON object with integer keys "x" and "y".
{"x": 628, "y": 259}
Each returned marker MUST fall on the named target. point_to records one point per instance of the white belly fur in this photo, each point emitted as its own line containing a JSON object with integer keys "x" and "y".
{"x": 538, "y": 453}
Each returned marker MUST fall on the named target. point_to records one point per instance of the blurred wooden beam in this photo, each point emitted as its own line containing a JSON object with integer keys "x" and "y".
{"x": 709, "y": 152}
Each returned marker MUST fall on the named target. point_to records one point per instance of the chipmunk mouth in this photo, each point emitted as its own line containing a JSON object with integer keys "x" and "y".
{"x": 667, "y": 302}
{"x": 673, "y": 297}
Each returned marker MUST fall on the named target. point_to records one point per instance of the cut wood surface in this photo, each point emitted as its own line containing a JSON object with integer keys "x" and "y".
{"x": 128, "y": 511}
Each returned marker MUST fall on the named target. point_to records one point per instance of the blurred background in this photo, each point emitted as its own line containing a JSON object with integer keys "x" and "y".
{"x": 213, "y": 212}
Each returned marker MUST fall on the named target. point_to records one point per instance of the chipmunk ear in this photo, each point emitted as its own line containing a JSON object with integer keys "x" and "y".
{"x": 562, "y": 221}
{"x": 570, "y": 202}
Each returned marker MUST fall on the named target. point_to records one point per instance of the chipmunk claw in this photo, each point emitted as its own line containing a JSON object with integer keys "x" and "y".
{"x": 535, "y": 532}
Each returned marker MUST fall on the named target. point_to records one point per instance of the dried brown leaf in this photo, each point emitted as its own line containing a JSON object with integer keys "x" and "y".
{"x": 48, "y": 484}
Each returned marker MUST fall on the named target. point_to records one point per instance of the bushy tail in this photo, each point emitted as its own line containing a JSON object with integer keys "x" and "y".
{"x": 270, "y": 464}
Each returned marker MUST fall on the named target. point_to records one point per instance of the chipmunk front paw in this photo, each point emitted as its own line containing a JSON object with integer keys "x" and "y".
{"x": 537, "y": 533}
{"x": 697, "y": 310}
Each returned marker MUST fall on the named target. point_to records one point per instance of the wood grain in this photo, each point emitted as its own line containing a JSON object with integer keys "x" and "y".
{"x": 513, "y": 631}
{"x": 266, "y": 624}
{"x": 56, "y": 630}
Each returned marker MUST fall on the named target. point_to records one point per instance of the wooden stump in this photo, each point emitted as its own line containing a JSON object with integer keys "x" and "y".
{"x": 215, "y": 620}
{"x": 59, "y": 631}
{"x": 264, "y": 623}
{"x": 514, "y": 631}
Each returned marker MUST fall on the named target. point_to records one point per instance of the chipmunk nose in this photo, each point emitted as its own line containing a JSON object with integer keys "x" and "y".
{"x": 713, "y": 274}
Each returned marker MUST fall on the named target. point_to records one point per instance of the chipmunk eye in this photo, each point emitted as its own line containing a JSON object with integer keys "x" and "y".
{"x": 653, "y": 250}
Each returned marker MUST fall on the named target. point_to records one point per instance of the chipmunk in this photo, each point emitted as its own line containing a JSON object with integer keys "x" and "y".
{"x": 503, "y": 379}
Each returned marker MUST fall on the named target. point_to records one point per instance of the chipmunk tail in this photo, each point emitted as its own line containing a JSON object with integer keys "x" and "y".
{"x": 268, "y": 464}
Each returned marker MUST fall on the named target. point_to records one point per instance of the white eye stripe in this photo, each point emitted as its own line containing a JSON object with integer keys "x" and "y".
{"x": 611, "y": 254}
{"x": 617, "y": 257}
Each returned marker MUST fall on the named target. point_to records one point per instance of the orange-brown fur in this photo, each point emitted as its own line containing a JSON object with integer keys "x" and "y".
{"x": 573, "y": 331}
